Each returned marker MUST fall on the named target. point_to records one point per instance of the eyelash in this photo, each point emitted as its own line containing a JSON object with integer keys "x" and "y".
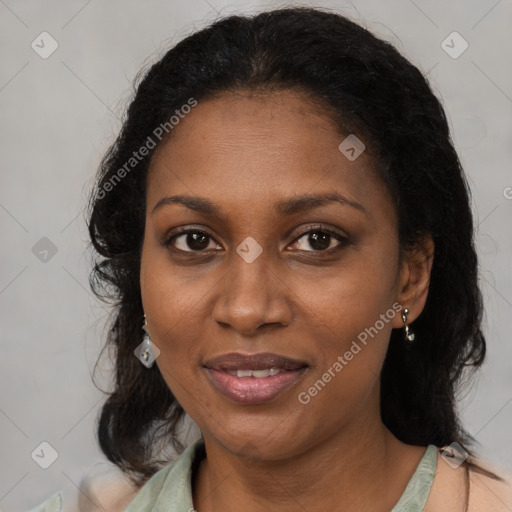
{"x": 312, "y": 229}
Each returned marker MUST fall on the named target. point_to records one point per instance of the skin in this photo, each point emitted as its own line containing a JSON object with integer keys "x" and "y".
{"x": 245, "y": 152}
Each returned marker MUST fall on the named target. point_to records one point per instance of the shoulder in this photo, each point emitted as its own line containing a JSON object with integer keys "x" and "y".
{"x": 52, "y": 504}
{"x": 454, "y": 487}
{"x": 487, "y": 493}
{"x": 108, "y": 489}
{"x": 109, "y": 492}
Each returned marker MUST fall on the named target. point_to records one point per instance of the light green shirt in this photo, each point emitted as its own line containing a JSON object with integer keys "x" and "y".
{"x": 170, "y": 489}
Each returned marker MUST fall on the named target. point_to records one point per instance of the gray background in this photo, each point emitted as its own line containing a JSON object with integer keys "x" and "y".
{"x": 59, "y": 114}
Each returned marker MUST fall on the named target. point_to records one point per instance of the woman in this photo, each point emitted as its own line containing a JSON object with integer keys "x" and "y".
{"x": 285, "y": 226}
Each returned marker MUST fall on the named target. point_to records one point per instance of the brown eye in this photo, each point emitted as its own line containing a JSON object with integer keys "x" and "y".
{"x": 192, "y": 241}
{"x": 319, "y": 240}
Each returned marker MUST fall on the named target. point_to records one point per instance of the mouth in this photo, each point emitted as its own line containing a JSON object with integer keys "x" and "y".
{"x": 253, "y": 379}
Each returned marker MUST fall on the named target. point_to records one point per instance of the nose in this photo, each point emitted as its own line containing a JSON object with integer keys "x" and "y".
{"x": 252, "y": 297}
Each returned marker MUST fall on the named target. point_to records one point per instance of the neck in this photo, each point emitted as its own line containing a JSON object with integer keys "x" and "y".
{"x": 355, "y": 469}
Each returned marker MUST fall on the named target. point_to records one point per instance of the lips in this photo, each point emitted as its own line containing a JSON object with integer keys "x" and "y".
{"x": 253, "y": 379}
{"x": 263, "y": 361}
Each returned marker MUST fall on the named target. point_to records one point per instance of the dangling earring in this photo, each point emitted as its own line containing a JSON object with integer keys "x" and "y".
{"x": 409, "y": 336}
{"x": 147, "y": 351}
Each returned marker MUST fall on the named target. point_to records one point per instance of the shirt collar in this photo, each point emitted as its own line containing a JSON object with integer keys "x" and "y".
{"x": 170, "y": 489}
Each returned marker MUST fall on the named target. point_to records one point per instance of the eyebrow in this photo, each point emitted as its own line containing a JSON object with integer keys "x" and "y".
{"x": 286, "y": 207}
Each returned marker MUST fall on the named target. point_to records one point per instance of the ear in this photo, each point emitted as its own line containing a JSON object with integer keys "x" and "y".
{"x": 414, "y": 279}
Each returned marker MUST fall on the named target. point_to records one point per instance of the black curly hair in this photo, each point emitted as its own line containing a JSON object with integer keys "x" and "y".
{"x": 370, "y": 89}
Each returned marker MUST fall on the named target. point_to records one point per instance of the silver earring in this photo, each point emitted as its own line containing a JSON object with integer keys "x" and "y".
{"x": 409, "y": 336}
{"x": 146, "y": 353}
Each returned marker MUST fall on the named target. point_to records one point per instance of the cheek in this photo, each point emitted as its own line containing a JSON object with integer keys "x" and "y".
{"x": 350, "y": 323}
{"x": 170, "y": 306}
{"x": 351, "y": 298}
{"x": 170, "y": 303}
{"x": 174, "y": 305}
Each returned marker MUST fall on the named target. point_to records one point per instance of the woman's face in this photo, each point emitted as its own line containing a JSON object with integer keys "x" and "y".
{"x": 290, "y": 263}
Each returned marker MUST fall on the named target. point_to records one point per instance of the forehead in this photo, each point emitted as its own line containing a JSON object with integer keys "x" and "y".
{"x": 257, "y": 147}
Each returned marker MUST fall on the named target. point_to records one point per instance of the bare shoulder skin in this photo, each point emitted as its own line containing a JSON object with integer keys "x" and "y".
{"x": 450, "y": 489}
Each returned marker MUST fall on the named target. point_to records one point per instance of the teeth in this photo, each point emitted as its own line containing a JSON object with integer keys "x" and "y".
{"x": 259, "y": 374}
